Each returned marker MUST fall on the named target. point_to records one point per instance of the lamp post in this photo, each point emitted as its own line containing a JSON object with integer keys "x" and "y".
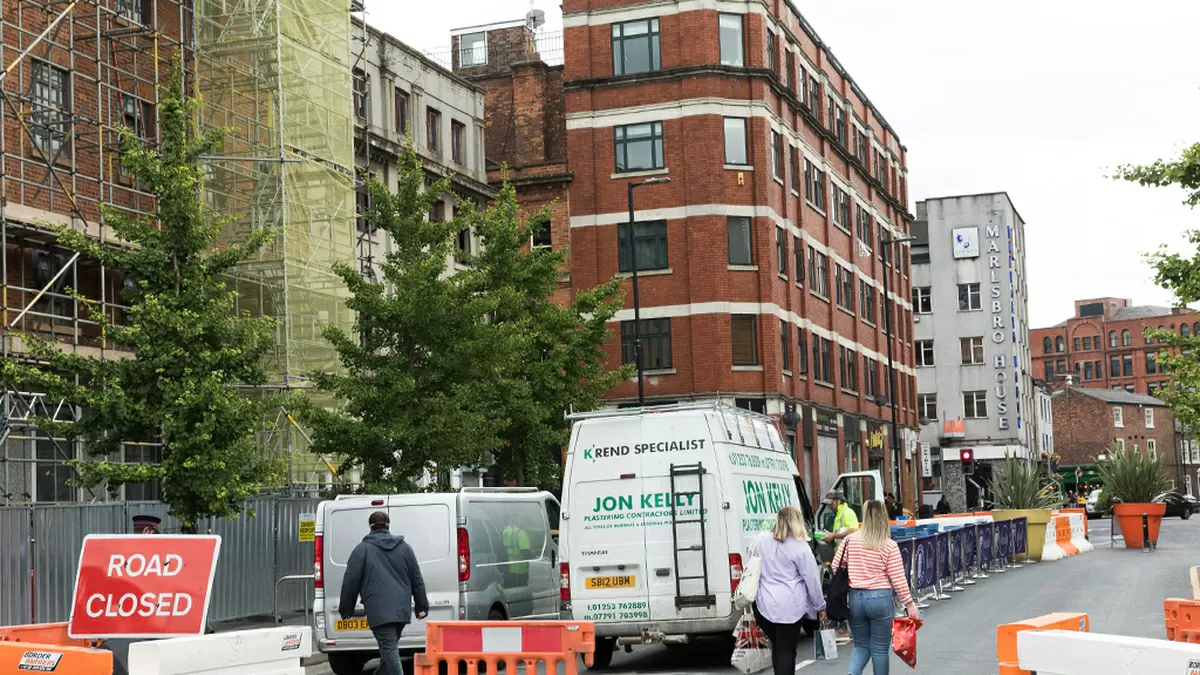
{"x": 886, "y": 248}
{"x": 637, "y": 310}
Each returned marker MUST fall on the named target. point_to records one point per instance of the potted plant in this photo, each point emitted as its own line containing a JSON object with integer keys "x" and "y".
{"x": 1020, "y": 490}
{"x": 1133, "y": 480}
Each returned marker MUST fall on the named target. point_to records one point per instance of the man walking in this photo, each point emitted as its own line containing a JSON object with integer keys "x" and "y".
{"x": 383, "y": 570}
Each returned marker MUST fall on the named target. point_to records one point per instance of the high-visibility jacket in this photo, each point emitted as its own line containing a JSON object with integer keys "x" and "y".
{"x": 518, "y": 548}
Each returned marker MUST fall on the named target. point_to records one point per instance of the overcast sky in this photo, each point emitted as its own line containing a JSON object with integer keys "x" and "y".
{"x": 1039, "y": 98}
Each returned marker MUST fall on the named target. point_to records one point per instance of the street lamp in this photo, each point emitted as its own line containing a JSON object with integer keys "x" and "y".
{"x": 885, "y": 245}
{"x": 637, "y": 310}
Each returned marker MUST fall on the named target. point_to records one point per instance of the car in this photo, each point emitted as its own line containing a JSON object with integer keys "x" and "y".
{"x": 1179, "y": 505}
{"x": 1092, "y": 505}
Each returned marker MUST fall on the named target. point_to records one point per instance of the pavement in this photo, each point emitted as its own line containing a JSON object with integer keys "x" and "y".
{"x": 1121, "y": 590}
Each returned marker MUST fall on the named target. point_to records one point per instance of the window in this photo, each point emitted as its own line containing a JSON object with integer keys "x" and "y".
{"x": 735, "y": 141}
{"x": 134, "y": 10}
{"x": 49, "y": 122}
{"x": 635, "y": 47}
{"x": 845, "y": 288}
{"x": 923, "y": 299}
{"x": 974, "y": 404}
{"x": 814, "y": 95}
{"x": 655, "y": 336}
{"x": 1152, "y": 446}
{"x": 1151, "y": 363}
{"x": 781, "y": 250}
{"x": 925, "y": 353}
{"x": 1061, "y": 365}
{"x": 866, "y": 301}
{"x": 402, "y": 112}
{"x": 463, "y": 241}
{"x": 1087, "y": 343}
{"x": 862, "y": 222}
{"x": 969, "y": 299}
{"x": 639, "y": 147}
{"x": 1149, "y": 418}
{"x": 458, "y": 139}
{"x": 433, "y": 130}
{"x": 53, "y": 475}
{"x": 798, "y": 259}
{"x": 1161, "y": 329}
{"x": 822, "y": 359}
{"x": 1120, "y": 444}
{"x": 542, "y": 238}
{"x": 1127, "y": 365}
{"x": 732, "y": 45}
{"x": 841, "y": 208}
{"x": 837, "y": 120}
{"x": 1118, "y": 417}
{"x": 785, "y": 344}
{"x": 1047, "y": 345}
{"x": 771, "y": 50}
{"x": 1089, "y": 371}
{"x": 1112, "y": 339}
{"x": 927, "y": 406}
{"x": 437, "y": 212}
{"x": 870, "y": 377}
{"x": 1126, "y": 338}
{"x": 740, "y": 250}
{"x": 1049, "y": 370}
{"x": 1075, "y": 344}
{"x": 362, "y": 88}
{"x": 745, "y": 339}
{"x": 1059, "y": 344}
{"x": 777, "y": 154}
{"x": 472, "y": 50}
{"x": 849, "y": 368}
{"x": 818, "y": 273}
{"x": 143, "y": 454}
{"x": 972, "y": 350}
{"x": 789, "y": 73}
{"x": 860, "y": 145}
{"x": 1183, "y": 330}
{"x": 1114, "y": 366}
{"x": 801, "y": 352}
{"x": 814, "y": 185}
{"x": 651, "y": 240}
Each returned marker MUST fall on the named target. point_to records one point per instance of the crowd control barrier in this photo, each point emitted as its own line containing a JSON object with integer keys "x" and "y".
{"x": 508, "y": 642}
{"x": 1056, "y": 652}
{"x": 1007, "y": 651}
{"x": 266, "y": 651}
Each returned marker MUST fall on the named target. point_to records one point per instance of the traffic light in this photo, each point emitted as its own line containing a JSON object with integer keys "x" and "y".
{"x": 967, "y": 455}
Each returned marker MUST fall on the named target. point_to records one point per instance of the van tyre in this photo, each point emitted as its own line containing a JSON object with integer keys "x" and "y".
{"x": 602, "y": 658}
{"x": 1187, "y": 513}
{"x": 347, "y": 664}
{"x": 496, "y": 615}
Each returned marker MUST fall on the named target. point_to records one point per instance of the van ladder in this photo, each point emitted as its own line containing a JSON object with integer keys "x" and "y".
{"x": 706, "y": 599}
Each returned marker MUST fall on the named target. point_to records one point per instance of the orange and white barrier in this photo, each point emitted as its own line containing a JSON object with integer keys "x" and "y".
{"x": 1006, "y": 636}
{"x": 1065, "y": 537}
{"x": 1056, "y": 652}
{"x": 24, "y": 657}
{"x": 508, "y": 642}
{"x": 266, "y": 651}
{"x": 1195, "y": 575}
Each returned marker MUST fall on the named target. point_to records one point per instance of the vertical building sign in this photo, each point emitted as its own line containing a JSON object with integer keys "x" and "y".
{"x": 1000, "y": 332}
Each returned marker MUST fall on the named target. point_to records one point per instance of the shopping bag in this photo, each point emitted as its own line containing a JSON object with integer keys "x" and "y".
{"x": 747, "y": 589}
{"x": 904, "y": 639}
{"x": 825, "y": 646}
{"x": 752, "y": 651}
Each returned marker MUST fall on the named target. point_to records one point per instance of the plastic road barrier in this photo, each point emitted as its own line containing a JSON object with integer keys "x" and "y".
{"x": 1180, "y": 614}
{"x": 1083, "y": 514}
{"x": 507, "y": 642}
{"x": 1195, "y": 575}
{"x": 43, "y": 633}
{"x": 266, "y": 651}
{"x": 1066, "y": 536}
{"x": 29, "y": 657}
{"x": 1006, "y": 636}
{"x": 1071, "y": 653}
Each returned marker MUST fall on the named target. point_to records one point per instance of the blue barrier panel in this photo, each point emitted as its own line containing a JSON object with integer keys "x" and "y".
{"x": 970, "y": 543}
{"x": 943, "y": 550}
{"x": 987, "y": 537}
{"x": 956, "y": 552}
{"x": 1003, "y": 539}
{"x": 925, "y": 559}
{"x": 1020, "y": 536}
{"x": 906, "y": 555}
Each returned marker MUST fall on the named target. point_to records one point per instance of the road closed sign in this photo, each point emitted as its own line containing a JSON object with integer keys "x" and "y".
{"x": 143, "y": 586}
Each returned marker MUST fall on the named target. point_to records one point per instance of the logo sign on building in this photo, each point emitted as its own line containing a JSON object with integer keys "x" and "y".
{"x": 131, "y": 586}
{"x": 308, "y": 527}
{"x": 966, "y": 242}
{"x": 926, "y": 461}
{"x": 954, "y": 429}
{"x": 827, "y": 423}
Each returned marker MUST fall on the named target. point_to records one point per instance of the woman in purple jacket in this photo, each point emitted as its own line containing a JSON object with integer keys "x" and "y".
{"x": 789, "y": 586}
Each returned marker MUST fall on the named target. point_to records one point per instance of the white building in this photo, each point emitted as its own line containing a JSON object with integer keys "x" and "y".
{"x": 1045, "y": 419}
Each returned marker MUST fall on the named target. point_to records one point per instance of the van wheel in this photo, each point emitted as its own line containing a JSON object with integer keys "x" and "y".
{"x": 496, "y": 615}
{"x": 602, "y": 659}
{"x": 347, "y": 663}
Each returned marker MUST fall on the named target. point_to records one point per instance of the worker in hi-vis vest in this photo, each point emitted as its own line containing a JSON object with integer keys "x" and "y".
{"x": 519, "y": 550}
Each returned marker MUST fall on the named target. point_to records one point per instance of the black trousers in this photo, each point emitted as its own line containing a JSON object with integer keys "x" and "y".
{"x": 785, "y": 638}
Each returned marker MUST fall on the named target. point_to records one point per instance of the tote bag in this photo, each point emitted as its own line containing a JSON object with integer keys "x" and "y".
{"x": 837, "y": 602}
{"x": 747, "y": 589}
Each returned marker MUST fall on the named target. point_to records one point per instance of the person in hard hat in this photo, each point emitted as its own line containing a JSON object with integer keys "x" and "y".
{"x": 146, "y": 524}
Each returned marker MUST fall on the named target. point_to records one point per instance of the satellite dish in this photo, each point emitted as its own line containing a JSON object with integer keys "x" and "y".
{"x": 536, "y": 18}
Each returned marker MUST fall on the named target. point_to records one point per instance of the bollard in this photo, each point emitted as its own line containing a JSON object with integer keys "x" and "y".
{"x": 1146, "y": 546}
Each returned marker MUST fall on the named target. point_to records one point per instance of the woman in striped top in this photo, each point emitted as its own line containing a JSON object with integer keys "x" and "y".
{"x": 876, "y": 573}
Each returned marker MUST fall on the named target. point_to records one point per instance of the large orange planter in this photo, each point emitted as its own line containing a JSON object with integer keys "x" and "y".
{"x": 1130, "y": 518}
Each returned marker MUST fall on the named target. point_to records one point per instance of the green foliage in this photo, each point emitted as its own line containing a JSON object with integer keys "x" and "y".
{"x": 189, "y": 347}
{"x": 1184, "y": 172}
{"x": 1019, "y": 484}
{"x": 1133, "y": 477}
{"x": 470, "y": 369}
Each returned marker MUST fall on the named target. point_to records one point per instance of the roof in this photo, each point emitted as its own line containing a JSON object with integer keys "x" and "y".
{"x": 1141, "y": 312}
{"x": 1115, "y": 397}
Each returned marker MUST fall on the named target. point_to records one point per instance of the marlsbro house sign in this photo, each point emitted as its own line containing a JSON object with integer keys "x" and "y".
{"x": 143, "y": 586}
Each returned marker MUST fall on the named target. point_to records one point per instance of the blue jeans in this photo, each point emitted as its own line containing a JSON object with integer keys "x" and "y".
{"x": 871, "y": 614}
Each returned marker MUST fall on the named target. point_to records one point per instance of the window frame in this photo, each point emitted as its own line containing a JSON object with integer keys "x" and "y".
{"x": 724, "y": 18}
{"x": 622, "y": 141}
{"x": 777, "y": 160}
{"x": 924, "y": 401}
{"x": 458, "y": 141}
{"x": 744, "y": 140}
{"x": 1118, "y": 415}
{"x": 972, "y": 348}
{"x": 750, "y": 321}
{"x": 661, "y": 242}
{"x": 923, "y": 299}
{"x": 463, "y": 50}
{"x": 922, "y": 349}
{"x": 433, "y": 130}
{"x": 844, "y": 282}
{"x": 50, "y": 121}
{"x": 403, "y": 102}
{"x": 781, "y": 251}
{"x": 973, "y": 291}
{"x": 650, "y": 332}
{"x": 747, "y": 222}
{"x": 1149, "y": 417}
{"x": 978, "y": 409}
{"x": 652, "y": 38}
{"x": 785, "y": 343}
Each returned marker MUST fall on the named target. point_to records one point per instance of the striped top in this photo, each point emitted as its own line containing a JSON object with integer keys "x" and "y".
{"x": 874, "y": 570}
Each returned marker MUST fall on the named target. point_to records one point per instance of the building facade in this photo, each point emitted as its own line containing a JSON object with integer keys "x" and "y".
{"x": 763, "y": 274}
{"x": 1045, "y": 420}
{"x": 1104, "y": 345}
{"x": 970, "y": 300}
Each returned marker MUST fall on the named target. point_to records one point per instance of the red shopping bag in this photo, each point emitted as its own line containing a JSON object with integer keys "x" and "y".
{"x": 904, "y": 639}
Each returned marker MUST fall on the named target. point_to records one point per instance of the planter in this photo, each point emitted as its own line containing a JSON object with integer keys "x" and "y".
{"x": 1129, "y": 516}
{"x": 1035, "y": 532}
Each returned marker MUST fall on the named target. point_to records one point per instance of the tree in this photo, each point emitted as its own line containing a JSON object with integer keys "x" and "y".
{"x": 189, "y": 348}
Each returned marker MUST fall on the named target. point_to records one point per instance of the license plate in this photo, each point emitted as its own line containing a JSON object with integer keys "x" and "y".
{"x": 624, "y": 581}
{"x": 350, "y": 624}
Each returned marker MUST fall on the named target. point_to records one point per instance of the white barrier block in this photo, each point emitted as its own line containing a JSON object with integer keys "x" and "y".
{"x": 1195, "y": 574}
{"x": 267, "y": 651}
{"x": 1057, "y": 652}
{"x": 1079, "y": 532}
{"x": 1050, "y": 548}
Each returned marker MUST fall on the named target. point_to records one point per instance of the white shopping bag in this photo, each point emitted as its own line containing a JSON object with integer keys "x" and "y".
{"x": 752, "y": 651}
{"x": 825, "y": 643}
{"x": 747, "y": 590}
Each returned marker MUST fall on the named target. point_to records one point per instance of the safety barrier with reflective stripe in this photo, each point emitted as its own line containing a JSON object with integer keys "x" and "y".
{"x": 507, "y": 642}
{"x": 1057, "y": 652}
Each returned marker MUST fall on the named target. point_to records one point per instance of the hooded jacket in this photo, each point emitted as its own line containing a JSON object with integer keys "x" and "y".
{"x": 383, "y": 570}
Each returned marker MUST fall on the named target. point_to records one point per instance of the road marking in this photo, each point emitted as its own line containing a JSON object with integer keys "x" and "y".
{"x": 804, "y": 664}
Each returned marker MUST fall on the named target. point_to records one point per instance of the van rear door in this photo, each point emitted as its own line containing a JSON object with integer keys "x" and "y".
{"x": 429, "y": 523}
{"x": 345, "y": 527}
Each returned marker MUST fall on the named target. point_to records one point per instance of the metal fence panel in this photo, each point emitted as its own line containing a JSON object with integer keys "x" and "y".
{"x": 14, "y": 565}
{"x": 58, "y": 533}
{"x": 293, "y": 556}
{"x": 245, "y": 578}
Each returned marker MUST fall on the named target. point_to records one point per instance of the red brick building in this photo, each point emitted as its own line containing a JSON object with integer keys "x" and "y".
{"x": 1104, "y": 345}
{"x": 760, "y": 262}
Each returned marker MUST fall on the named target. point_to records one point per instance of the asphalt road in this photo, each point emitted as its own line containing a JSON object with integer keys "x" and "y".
{"x": 1121, "y": 590}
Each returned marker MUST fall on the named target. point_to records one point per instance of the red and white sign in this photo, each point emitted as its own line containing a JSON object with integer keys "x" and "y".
{"x": 143, "y": 585}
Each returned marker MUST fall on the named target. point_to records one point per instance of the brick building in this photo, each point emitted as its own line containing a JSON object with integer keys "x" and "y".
{"x": 761, "y": 267}
{"x": 1090, "y": 422}
{"x": 1104, "y": 345}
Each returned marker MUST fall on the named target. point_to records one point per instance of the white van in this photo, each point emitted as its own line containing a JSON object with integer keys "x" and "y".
{"x": 659, "y": 504}
{"x": 485, "y": 554}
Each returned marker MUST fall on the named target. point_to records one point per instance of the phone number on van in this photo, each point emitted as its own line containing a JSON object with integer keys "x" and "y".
{"x": 614, "y": 611}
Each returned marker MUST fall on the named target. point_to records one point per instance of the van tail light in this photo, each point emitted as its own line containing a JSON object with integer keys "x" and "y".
{"x": 735, "y": 571}
{"x": 564, "y": 582}
{"x": 318, "y": 565}
{"x": 464, "y": 555}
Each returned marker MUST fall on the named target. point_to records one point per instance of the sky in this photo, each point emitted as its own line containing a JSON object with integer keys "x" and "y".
{"x": 1038, "y": 98}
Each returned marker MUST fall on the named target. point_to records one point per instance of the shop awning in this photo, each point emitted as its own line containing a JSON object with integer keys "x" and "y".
{"x": 1090, "y": 474}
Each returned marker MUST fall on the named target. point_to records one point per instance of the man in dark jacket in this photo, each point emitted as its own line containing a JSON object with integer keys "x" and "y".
{"x": 383, "y": 570}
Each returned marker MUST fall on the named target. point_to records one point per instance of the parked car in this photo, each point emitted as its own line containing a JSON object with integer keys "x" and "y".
{"x": 1092, "y": 505}
{"x": 1179, "y": 505}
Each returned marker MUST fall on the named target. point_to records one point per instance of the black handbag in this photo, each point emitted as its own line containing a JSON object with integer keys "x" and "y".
{"x": 837, "y": 602}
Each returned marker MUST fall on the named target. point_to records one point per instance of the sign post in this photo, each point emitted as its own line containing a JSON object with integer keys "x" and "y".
{"x": 134, "y": 586}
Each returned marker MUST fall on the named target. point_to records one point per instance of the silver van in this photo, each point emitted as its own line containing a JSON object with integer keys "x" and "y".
{"x": 485, "y": 554}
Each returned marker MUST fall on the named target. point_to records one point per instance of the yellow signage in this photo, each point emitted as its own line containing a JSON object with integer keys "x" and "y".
{"x": 308, "y": 527}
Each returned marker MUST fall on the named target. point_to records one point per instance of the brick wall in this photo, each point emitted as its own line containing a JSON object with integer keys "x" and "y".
{"x": 1084, "y": 428}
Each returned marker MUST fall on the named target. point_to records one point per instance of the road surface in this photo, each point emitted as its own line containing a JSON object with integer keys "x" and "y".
{"x": 1121, "y": 590}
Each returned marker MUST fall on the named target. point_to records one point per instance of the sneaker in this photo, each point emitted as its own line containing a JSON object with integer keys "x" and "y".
{"x": 843, "y": 635}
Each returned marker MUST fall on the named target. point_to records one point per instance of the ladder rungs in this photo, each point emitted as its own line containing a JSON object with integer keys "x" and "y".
{"x": 695, "y": 578}
{"x": 688, "y": 521}
{"x": 695, "y": 548}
